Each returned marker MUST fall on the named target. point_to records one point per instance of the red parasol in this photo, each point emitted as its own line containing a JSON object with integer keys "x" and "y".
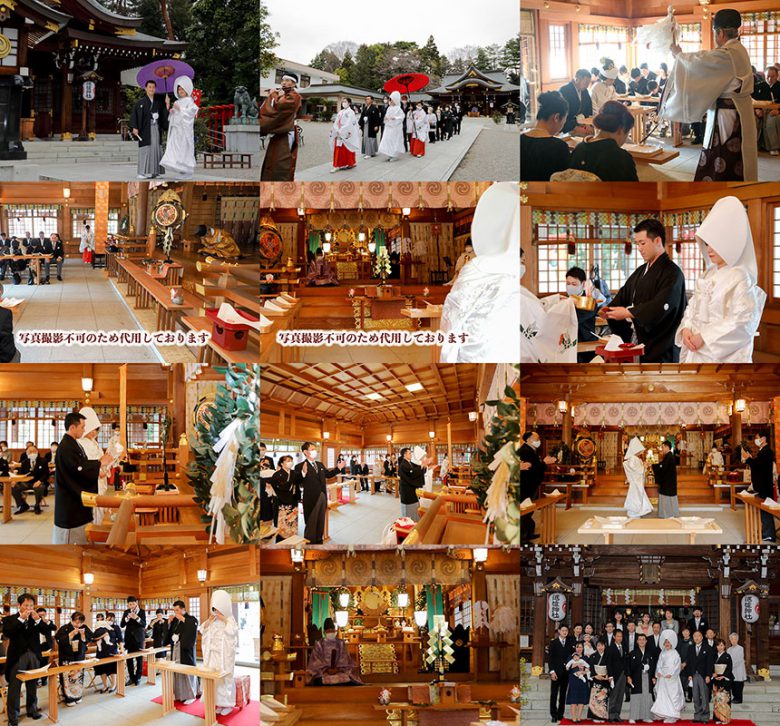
{"x": 407, "y": 82}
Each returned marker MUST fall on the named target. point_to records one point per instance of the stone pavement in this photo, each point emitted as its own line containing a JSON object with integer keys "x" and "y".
{"x": 440, "y": 162}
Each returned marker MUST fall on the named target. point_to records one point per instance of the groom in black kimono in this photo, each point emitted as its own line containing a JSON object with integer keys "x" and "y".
{"x": 649, "y": 307}
{"x": 142, "y": 119}
{"x": 311, "y": 476}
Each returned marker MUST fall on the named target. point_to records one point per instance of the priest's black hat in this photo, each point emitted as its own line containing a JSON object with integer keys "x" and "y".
{"x": 328, "y": 625}
{"x": 727, "y": 18}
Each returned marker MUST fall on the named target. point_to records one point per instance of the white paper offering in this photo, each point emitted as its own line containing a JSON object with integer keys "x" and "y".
{"x": 417, "y": 454}
{"x": 613, "y": 343}
{"x": 289, "y": 298}
{"x": 273, "y": 306}
{"x": 527, "y": 502}
{"x": 658, "y": 35}
{"x": 279, "y": 300}
{"x": 10, "y": 302}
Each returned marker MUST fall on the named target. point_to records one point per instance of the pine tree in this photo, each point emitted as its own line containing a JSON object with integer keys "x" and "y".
{"x": 345, "y": 71}
{"x": 482, "y": 61}
{"x": 237, "y": 397}
{"x": 504, "y": 429}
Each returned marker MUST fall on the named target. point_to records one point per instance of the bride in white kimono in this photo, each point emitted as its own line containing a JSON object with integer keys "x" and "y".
{"x": 392, "y": 143}
{"x": 179, "y": 156}
{"x": 722, "y": 317}
{"x": 219, "y": 638}
{"x": 669, "y": 698}
{"x": 637, "y": 503}
{"x": 482, "y": 309}
{"x": 548, "y": 327}
{"x": 94, "y": 452}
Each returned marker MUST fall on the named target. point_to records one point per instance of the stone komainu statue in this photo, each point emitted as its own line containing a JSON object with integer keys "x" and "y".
{"x": 245, "y": 105}
{"x": 218, "y": 242}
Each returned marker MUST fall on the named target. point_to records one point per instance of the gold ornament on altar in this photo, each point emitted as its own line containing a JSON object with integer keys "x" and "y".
{"x": 278, "y": 643}
{"x": 5, "y": 46}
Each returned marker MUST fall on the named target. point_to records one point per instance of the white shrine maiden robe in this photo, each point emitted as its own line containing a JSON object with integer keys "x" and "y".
{"x": 219, "y": 641}
{"x": 548, "y": 329}
{"x": 725, "y": 310}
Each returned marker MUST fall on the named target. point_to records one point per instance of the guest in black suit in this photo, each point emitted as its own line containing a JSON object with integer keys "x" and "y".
{"x": 159, "y": 630}
{"x": 134, "y": 623}
{"x": 761, "y": 465}
{"x": 542, "y": 151}
{"x": 532, "y": 469}
{"x": 24, "y": 633}
{"x": 697, "y": 622}
{"x": 560, "y": 650}
{"x": 267, "y": 513}
{"x": 702, "y": 667}
{"x": 618, "y": 620}
{"x": 577, "y": 96}
{"x": 55, "y": 251}
{"x": 616, "y": 669}
{"x": 411, "y": 478}
{"x": 654, "y": 641}
{"x": 37, "y": 467}
{"x": 311, "y": 477}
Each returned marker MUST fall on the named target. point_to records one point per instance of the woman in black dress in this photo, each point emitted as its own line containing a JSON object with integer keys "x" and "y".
{"x": 541, "y": 153}
{"x": 602, "y": 154}
{"x": 107, "y": 639}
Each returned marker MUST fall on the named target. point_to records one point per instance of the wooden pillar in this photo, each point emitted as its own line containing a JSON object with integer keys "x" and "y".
{"x": 66, "y": 106}
{"x": 123, "y": 405}
{"x": 101, "y": 216}
{"x": 567, "y": 425}
{"x": 736, "y": 430}
{"x": 762, "y": 641}
{"x": 479, "y": 594}
{"x": 177, "y": 401}
{"x": 297, "y": 610}
{"x": 141, "y": 204}
{"x": 540, "y": 630}
{"x": 449, "y": 441}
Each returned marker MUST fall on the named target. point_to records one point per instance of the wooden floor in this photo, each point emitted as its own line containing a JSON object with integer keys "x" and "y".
{"x": 336, "y": 705}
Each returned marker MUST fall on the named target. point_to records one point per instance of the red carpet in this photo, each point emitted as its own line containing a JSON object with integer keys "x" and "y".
{"x": 249, "y": 715}
{"x": 567, "y": 722}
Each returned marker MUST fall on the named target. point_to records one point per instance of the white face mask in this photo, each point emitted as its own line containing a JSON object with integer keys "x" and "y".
{"x": 757, "y": 441}
{"x": 330, "y": 636}
{"x": 344, "y": 105}
{"x": 312, "y": 454}
{"x": 522, "y": 270}
{"x": 536, "y": 443}
{"x": 574, "y": 289}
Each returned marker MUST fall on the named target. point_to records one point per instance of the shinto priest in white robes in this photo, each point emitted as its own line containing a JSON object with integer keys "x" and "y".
{"x": 637, "y": 503}
{"x": 727, "y": 303}
{"x": 219, "y": 640}
{"x": 698, "y": 80}
{"x": 484, "y": 302}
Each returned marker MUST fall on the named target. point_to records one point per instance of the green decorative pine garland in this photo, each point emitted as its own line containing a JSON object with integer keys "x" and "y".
{"x": 237, "y": 397}
{"x": 504, "y": 428}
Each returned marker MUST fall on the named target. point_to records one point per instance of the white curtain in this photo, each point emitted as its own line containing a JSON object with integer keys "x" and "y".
{"x": 504, "y": 590}
{"x": 424, "y": 247}
{"x": 275, "y": 592}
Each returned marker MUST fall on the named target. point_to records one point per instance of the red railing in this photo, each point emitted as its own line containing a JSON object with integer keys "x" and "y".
{"x": 217, "y": 117}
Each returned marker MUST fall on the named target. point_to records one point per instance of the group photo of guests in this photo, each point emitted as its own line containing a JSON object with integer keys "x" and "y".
{"x": 644, "y": 669}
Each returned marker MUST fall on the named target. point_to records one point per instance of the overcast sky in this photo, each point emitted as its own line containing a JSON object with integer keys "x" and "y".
{"x": 306, "y": 27}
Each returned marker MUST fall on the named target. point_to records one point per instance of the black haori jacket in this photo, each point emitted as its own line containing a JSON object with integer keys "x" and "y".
{"x": 141, "y": 118}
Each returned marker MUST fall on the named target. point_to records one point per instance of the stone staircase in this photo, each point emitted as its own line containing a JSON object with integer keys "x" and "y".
{"x": 761, "y": 703}
{"x": 106, "y": 148}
